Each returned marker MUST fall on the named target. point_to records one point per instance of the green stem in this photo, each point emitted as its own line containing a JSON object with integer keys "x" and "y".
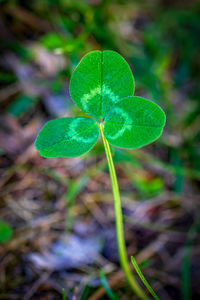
{"x": 119, "y": 222}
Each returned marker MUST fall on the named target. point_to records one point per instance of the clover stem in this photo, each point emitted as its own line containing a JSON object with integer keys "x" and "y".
{"x": 119, "y": 221}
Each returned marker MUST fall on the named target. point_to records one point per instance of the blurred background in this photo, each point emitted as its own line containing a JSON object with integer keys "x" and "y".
{"x": 57, "y": 224}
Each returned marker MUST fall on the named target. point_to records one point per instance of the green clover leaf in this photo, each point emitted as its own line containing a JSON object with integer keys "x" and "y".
{"x": 134, "y": 122}
{"x": 67, "y": 137}
{"x": 101, "y": 79}
{"x": 102, "y": 85}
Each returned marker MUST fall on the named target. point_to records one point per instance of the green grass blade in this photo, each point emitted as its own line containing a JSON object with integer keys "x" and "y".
{"x": 74, "y": 188}
{"x": 64, "y": 294}
{"x": 149, "y": 288}
{"x": 5, "y": 232}
{"x": 85, "y": 292}
{"x": 104, "y": 282}
{"x": 185, "y": 275}
{"x": 185, "y": 272}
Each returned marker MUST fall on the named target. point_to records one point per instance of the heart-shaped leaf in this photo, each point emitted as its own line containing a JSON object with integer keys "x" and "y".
{"x": 134, "y": 122}
{"x": 101, "y": 79}
{"x": 67, "y": 137}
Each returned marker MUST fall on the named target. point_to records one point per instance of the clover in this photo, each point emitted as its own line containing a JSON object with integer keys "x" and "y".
{"x": 102, "y": 86}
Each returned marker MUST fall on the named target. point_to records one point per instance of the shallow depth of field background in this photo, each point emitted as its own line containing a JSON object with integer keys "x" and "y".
{"x": 56, "y": 215}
